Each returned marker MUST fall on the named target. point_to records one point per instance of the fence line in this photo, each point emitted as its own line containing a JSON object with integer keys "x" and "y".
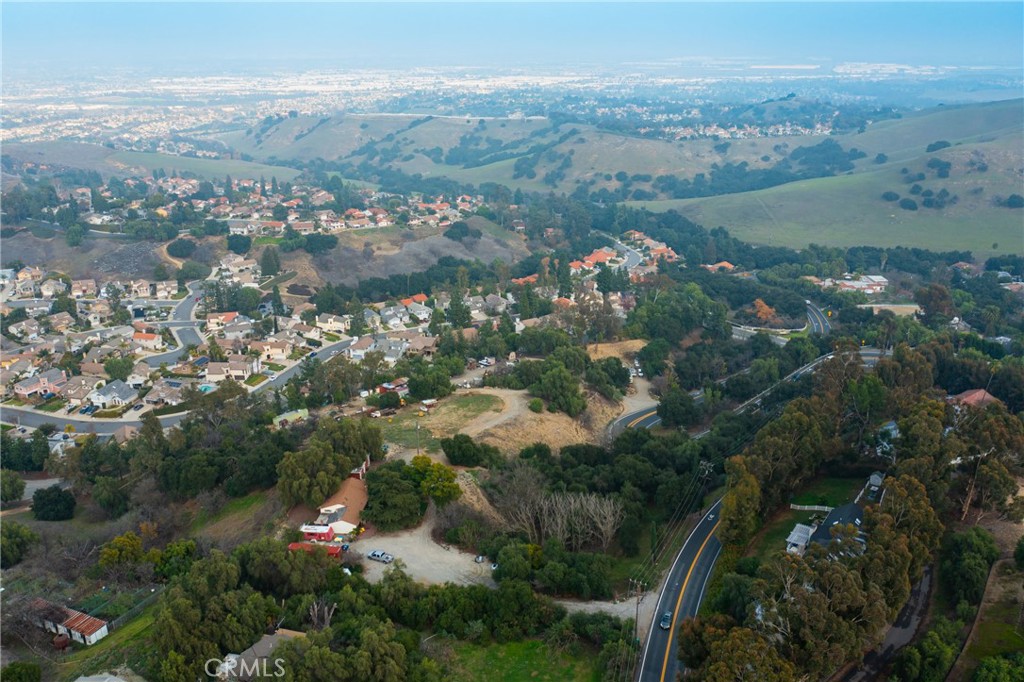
{"x": 811, "y": 507}
{"x": 135, "y": 610}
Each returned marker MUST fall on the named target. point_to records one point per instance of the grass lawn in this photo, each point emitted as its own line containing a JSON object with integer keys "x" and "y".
{"x": 53, "y": 405}
{"x": 297, "y": 354}
{"x": 16, "y": 402}
{"x": 127, "y": 644}
{"x": 206, "y": 168}
{"x": 264, "y": 241}
{"x": 255, "y": 380}
{"x": 998, "y": 630}
{"x": 528, "y": 661}
{"x": 831, "y": 492}
{"x": 180, "y": 295}
{"x": 236, "y": 505}
{"x": 41, "y": 231}
{"x": 447, "y": 419}
{"x": 273, "y": 366}
{"x": 772, "y": 537}
{"x": 110, "y": 414}
{"x": 331, "y": 337}
{"x": 280, "y": 279}
{"x": 6, "y": 427}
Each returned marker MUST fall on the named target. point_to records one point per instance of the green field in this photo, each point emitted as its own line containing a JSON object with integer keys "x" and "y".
{"x": 53, "y": 405}
{"x": 848, "y": 211}
{"x": 999, "y": 630}
{"x": 529, "y": 661}
{"x": 830, "y": 492}
{"x": 255, "y": 379}
{"x": 205, "y": 168}
{"x": 264, "y": 241}
{"x": 445, "y": 420}
{"x": 237, "y": 505}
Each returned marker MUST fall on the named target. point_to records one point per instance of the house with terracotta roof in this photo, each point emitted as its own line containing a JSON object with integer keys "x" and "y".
{"x": 216, "y": 321}
{"x": 339, "y": 514}
{"x": 720, "y": 265}
{"x": 148, "y": 341}
{"x": 975, "y": 397}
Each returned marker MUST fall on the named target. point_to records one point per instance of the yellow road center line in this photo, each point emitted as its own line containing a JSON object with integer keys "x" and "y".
{"x": 675, "y": 614}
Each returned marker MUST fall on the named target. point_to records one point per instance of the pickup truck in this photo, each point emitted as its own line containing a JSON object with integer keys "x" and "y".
{"x": 386, "y": 412}
{"x": 381, "y": 556}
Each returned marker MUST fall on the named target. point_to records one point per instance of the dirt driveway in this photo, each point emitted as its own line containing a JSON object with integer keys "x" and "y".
{"x": 425, "y": 560}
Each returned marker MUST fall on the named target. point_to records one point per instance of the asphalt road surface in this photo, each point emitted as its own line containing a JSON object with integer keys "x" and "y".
{"x": 819, "y": 320}
{"x": 684, "y": 590}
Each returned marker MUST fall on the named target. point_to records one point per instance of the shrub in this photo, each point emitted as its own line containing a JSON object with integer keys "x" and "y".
{"x": 53, "y": 504}
{"x": 536, "y": 405}
{"x": 908, "y": 204}
{"x": 890, "y": 196}
{"x": 181, "y": 248}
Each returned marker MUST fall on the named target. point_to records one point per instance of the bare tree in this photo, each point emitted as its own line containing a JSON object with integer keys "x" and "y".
{"x": 320, "y": 614}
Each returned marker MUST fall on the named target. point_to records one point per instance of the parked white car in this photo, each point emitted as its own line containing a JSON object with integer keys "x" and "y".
{"x": 381, "y": 556}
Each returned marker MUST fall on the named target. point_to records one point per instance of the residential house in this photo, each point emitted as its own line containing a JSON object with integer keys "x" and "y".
{"x": 339, "y": 515}
{"x": 272, "y": 351}
{"x": 393, "y": 350}
{"x": 77, "y": 389}
{"x": 371, "y": 319}
{"x": 394, "y": 317}
{"x": 358, "y": 350}
{"x": 167, "y": 391}
{"x": 140, "y": 288}
{"x": 242, "y": 328}
{"x": 99, "y": 313}
{"x": 799, "y": 538}
{"x": 419, "y": 311}
{"x": 147, "y": 341}
{"x": 26, "y": 330}
{"x": 422, "y": 346}
{"x": 494, "y": 304}
{"x": 722, "y": 265}
{"x": 114, "y": 394}
{"x": 61, "y": 322}
{"x": 30, "y": 273}
{"x": 217, "y": 321}
{"x": 25, "y": 288}
{"x": 50, "y": 381}
{"x": 52, "y": 288}
{"x": 259, "y": 661}
{"x": 975, "y": 397}
{"x": 237, "y": 368}
{"x": 166, "y": 289}
{"x": 334, "y": 324}
{"x": 139, "y": 376}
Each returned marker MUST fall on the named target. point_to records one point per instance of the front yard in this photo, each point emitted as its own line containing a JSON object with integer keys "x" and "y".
{"x": 53, "y": 405}
{"x": 255, "y": 380}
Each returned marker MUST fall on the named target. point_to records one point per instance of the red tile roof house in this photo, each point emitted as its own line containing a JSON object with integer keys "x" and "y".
{"x": 148, "y": 341}
{"x": 79, "y": 626}
{"x": 975, "y": 397}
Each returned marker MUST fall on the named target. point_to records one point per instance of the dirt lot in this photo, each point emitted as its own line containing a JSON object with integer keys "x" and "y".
{"x": 624, "y": 350}
{"x": 424, "y": 559}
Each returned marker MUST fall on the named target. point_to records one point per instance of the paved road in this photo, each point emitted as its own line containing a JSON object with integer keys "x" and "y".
{"x": 819, "y": 320}
{"x": 183, "y": 325}
{"x": 684, "y": 590}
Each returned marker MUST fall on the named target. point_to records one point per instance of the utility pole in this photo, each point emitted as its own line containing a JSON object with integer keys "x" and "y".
{"x": 638, "y": 590}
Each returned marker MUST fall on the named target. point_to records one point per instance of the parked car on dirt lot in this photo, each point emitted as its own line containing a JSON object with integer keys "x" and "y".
{"x": 381, "y": 556}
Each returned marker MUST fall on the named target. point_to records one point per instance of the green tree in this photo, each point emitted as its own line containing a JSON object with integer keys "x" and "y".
{"x": 118, "y": 368}
{"x": 459, "y": 316}
{"x": 21, "y": 671}
{"x": 740, "y": 504}
{"x": 394, "y": 501}
{"x": 239, "y": 243}
{"x": 12, "y": 487}
{"x": 310, "y": 475}
{"x": 1007, "y": 668}
{"x": 75, "y": 235}
{"x": 270, "y": 261}
{"x": 181, "y": 248}
{"x": 53, "y": 504}
{"x": 677, "y": 408}
{"x": 112, "y": 495}
{"x": 15, "y": 540}
{"x": 1018, "y": 554}
{"x": 436, "y": 480}
{"x": 561, "y": 390}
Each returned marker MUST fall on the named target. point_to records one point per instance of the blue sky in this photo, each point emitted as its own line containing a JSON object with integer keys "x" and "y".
{"x": 188, "y": 37}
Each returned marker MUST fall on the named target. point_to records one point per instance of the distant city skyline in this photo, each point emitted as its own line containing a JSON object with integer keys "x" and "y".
{"x": 202, "y": 38}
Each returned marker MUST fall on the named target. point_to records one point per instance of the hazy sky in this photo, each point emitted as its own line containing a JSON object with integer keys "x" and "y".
{"x": 185, "y": 37}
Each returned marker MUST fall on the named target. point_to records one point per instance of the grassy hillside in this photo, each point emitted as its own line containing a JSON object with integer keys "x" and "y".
{"x": 848, "y": 210}
{"x": 143, "y": 163}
